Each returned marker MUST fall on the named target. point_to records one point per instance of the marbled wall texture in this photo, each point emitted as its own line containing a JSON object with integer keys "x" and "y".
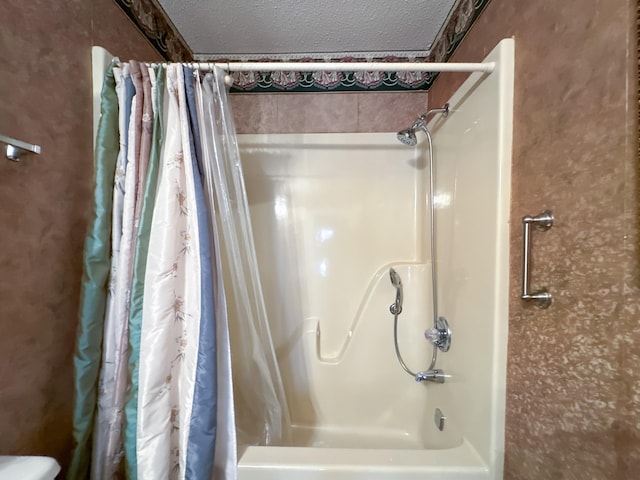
{"x": 45, "y": 98}
{"x": 573, "y": 391}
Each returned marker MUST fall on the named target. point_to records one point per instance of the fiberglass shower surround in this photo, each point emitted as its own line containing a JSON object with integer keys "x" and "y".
{"x": 326, "y": 260}
{"x": 340, "y": 403}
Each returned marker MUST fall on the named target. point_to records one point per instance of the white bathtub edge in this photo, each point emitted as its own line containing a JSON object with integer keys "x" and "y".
{"x": 301, "y": 463}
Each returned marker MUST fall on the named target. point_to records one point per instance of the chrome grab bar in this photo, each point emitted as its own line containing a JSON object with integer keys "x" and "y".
{"x": 15, "y": 148}
{"x": 542, "y": 221}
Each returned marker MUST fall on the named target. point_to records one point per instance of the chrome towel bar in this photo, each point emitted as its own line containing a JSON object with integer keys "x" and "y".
{"x": 542, "y": 221}
{"x": 15, "y": 148}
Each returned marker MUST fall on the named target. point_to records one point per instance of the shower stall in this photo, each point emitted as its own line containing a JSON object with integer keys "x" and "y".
{"x": 332, "y": 216}
{"x": 342, "y": 228}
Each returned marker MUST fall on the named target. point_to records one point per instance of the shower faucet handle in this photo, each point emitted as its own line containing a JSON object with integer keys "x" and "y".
{"x": 440, "y": 335}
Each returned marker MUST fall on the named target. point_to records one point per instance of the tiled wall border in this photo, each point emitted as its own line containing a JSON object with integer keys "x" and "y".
{"x": 153, "y": 23}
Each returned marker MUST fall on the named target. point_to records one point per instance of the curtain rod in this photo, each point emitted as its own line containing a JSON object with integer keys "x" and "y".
{"x": 358, "y": 67}
{"x": 342, "y": 66}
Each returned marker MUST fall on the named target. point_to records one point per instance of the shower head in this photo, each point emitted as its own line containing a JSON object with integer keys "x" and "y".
{"x": 408, "y": 135}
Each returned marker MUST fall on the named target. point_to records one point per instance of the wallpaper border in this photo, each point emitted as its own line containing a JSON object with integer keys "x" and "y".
{"x": 152, "y": 21}
{"x": 154, "y": 24}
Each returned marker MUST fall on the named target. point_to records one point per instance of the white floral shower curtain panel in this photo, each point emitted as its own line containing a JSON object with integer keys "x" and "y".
{"x": 154, "y": 388}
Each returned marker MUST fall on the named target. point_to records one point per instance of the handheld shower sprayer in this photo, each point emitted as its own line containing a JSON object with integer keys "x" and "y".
{"x": 396, "y": 307}
{"x": 429, "y": 375}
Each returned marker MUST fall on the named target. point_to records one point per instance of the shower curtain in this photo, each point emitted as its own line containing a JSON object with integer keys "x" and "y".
{"x": 169, "y": 249}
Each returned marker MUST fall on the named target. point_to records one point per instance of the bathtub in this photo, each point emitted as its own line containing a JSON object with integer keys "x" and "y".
{"x": 331, "y": 213}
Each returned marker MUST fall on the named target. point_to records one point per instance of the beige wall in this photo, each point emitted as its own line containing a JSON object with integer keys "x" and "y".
{"x": 45, "y": 98}
{"x": 573, "y": 392}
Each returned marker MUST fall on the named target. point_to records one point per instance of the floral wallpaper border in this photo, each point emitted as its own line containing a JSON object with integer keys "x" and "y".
{"x": 154, "y": 24}
{"x": 152, "y": 21}
{"x": 333, "y": 81}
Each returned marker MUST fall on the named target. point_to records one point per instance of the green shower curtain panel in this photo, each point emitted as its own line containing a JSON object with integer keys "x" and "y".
{"x": 93, "y": 297}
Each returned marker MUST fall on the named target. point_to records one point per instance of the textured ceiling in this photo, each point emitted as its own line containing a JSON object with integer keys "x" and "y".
{"x": 288, "y": 28}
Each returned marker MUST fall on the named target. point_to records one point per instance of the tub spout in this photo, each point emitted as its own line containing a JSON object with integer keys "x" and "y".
{"x": 436, "y": 375}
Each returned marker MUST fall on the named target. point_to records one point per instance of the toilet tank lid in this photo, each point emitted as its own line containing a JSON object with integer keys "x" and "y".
{"x": 28, "y": 468}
